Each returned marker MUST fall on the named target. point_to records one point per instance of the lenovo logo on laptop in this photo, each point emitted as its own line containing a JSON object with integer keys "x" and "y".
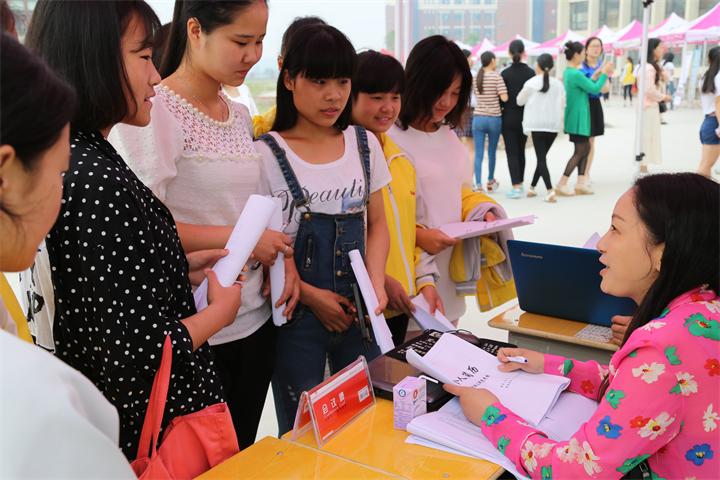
{"x": 527, "y": 255}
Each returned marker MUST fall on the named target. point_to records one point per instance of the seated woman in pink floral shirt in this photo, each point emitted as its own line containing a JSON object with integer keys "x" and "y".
{"x": 659, "y": 399}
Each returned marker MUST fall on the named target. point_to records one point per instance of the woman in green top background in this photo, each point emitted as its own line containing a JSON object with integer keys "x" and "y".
{"x": 577, "y": 114}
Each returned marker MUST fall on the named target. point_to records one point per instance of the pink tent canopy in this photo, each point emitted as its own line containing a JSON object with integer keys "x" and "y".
{"x": 555, "y": 45}
{"x": 481, "y": 47}
{"x": 706, "y": 27}
{"x": 673, "y": 22}
{"x": 628, "y": 36}
{"x": 502, "y": 49}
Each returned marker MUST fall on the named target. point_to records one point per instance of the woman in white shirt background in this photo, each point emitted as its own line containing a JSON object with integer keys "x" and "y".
{"x": 710, "y": 100}
{"x": 652, "y": 144}
{"x": 544, "y": 99}
{"x": 197, "y": 156}
{"x": 437, "y": 88}
{"x": 55, "y": 423}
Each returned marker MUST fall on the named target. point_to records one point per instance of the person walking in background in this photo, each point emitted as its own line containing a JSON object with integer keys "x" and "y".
{"x": 628, "y": 80}
{"x": 464, "y": 130}
{"x": 710, "y": 99}
{"x": 577, "y": 115}
{"x": 593, "y": 61}
{"x": 669, "y": 69}
{"x": 653, "y": 95}
{"x": 489, "y": 90}
{"x": 543, "y": 97}
{"x": 515, "y": 77}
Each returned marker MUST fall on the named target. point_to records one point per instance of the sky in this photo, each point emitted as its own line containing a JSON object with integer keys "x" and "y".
{"x": 363, "y": 21}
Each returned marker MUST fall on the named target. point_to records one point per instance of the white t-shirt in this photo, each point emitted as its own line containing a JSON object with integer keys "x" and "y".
{"x": 54, "y": 423}
{"x": 333, "y": 188}
{"x": 543, "y": 110}
{"x": 708, "y": 99}
{"x": 203, "y": 171}
{"x": 442, "y": 166}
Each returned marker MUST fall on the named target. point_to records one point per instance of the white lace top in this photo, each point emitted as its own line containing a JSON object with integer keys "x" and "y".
{"x": 204, "y": 171}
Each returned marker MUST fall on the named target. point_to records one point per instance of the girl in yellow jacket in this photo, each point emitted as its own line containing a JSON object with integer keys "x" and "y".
{"x": 377, "y": 85}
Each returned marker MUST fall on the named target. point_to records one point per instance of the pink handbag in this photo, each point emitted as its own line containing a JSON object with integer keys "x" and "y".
{"x": 192, "y": 444}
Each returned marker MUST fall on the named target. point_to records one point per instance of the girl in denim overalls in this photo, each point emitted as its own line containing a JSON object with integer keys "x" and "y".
{"x": 320, "y": 169}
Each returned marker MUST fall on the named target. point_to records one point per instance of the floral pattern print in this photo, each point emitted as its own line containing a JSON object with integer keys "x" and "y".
{"x": 662, "y": 390}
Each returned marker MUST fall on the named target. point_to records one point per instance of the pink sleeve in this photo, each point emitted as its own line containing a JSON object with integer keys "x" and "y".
{"x": 637, "y": 416}
{"x": 585, "y": 377}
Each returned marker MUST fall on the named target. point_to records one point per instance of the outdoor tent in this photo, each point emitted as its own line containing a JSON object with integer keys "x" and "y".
{"x": 555, "y": 45}
{"x": 502, "y": 49}
{"x": 628, "y": 36}
{"x": 481, "y": 47}
{"x": 670, "y": 24}
{"x": 705, "y": 28}
{"x": 606, "y": 35}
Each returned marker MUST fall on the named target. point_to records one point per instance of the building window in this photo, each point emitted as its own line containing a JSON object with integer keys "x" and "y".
{"x": 579, "y": 16}
{"x": 610, "y": 12}
{"x": 704, "y": 6}
{"x": 677, "y": 6}
{"x": 636, "y": 10}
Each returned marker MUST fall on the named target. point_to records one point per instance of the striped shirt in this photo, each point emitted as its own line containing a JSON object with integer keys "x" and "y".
{"x": 488, "y": 102}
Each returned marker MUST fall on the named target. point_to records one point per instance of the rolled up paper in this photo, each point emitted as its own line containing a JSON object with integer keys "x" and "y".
{"x": 277, "y": 270}
{"x": 251, "y": 224}
{"x": 383, "y": 337}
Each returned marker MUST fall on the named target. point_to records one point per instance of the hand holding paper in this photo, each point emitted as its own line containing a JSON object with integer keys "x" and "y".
{"x": 277, "y": 270}
{"x": 422, "y": 316}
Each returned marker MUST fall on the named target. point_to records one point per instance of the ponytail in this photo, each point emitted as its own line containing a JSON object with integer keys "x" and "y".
{"x": 516, "y": 49}
{"x": 485, "y": 59}
{"x": 654, "y": 43}
{"x": 572, "y": 48}
{"x": 546, "y": 63}
{"x": 210, "y": 15}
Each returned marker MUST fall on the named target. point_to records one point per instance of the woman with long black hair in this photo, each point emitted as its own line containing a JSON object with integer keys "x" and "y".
{"x": 652, "y": 140}
{"x": 657, "y": 415}
{"x": 710, "y": 99}
{"x": 515, "y": 77}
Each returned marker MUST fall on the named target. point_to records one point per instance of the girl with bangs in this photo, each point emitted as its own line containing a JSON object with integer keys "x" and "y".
{"x": 329, "y": 179}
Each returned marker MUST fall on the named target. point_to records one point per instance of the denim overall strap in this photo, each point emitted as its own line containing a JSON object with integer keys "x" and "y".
{"x": 364, "y": 150}
{"x": 299, "y": 197}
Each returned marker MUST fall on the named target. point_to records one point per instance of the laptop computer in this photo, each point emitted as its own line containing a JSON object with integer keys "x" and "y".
{"x": 388, "y": 370}
{"x": 563, "y": 282}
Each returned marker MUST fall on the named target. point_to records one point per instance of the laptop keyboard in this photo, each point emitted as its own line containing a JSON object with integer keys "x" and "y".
{"x": 423, "y": 343}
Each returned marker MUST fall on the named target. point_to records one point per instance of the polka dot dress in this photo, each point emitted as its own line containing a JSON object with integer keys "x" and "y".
{"x": 121, "y": 285}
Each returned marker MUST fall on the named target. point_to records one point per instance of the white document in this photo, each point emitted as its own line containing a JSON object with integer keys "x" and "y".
{"x": 251, "y": 224}
{"x": 470, "y": 229}
{"x": 277, "y": 270}
{"x": 383, "y": 337}
{"x": 453, "y": 360}
{"x": 449, "y": 430}
{"x": 426, "y": 321}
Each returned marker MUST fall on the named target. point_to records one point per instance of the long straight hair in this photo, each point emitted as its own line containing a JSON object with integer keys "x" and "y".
{"x": 653, "y": 43}
{"x": 209, "y": 13}
{"x": 485, "y": 59}
{"x": 516, "y": 49}
{"x": 546, "y": 63}
{"x": 681, "y": 211}
{"x": 708, "y": 85}
{"x": 315, "y": 52}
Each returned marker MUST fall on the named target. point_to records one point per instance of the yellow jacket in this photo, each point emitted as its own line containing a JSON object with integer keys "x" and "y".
{"x": 493, "y": 284}
{"x": 399, "y": 201}
{"x": 263, "y": 123}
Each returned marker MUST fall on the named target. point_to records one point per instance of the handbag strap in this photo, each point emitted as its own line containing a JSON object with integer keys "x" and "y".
{"x": 156, "y": 405}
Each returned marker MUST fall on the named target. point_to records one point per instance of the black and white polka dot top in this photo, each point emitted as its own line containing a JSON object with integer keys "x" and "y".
{"x": 121, "y": 285}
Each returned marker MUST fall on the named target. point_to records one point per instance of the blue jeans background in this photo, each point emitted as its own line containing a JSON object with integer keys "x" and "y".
{"x": 491, "y": 126}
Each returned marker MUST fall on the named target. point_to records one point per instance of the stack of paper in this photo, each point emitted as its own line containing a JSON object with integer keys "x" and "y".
{"x": 449, "y": 430}
{"x": 453, "y": 360}
{"x": 470, "y": 229}
{"x": 422, "y": 316}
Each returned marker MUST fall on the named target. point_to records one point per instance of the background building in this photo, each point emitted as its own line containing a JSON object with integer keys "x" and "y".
{"x": 587, "y": 16}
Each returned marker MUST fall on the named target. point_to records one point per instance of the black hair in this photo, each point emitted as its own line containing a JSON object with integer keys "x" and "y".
{"x": 466, "y": 52}
{"x": 630, "y": 60}
{"x": 516, "y": 49}
{"x": 653, "y": 43}
{"x": 486, "y": 59}
{"x": 210, "y": 14}
{"x": 572, "y": 48}
{"x": 587, "y": 44}
{"x": 7, "y": 19}
{"x": 681, "y": 211}
{"x": 36, "y": 103}
{"x": 431, "y": 67}
{"x": 668, "y": 57}
{"x": 294, "y": 27}
{"x": 376, "y": 72}
{"x": 316, "y": 52}
{"x": 80, "y": 40}
{"x": 546, "y": 63}
{"x": 161, "y": 43}
{"x": 708, "y": 85}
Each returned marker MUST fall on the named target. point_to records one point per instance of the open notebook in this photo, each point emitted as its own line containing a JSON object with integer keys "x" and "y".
{"x": 453, "y": 360}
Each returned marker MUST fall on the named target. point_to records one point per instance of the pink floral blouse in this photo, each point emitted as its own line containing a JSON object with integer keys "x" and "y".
{"x": 661, "y": 404}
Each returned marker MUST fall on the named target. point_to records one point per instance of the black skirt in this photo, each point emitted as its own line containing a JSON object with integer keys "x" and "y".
{"x": 597, "y": 118}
